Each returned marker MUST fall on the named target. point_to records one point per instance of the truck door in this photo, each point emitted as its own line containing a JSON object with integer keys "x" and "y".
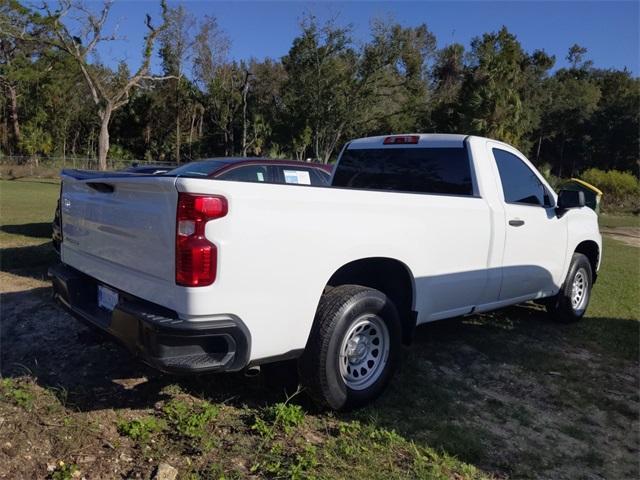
{"x": 535, "y": 238}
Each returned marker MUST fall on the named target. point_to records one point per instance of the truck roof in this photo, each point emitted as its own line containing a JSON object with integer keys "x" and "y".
{"x": 442, "y": 140}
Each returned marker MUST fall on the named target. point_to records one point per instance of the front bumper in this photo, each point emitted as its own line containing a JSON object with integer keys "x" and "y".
{"x": 154, "y": 333}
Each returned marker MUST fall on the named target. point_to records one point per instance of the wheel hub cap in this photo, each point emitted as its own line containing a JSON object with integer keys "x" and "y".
{"x": 357, "y": 349}
{"x": 579, "y": 290}
{"x": 364, "y": 351}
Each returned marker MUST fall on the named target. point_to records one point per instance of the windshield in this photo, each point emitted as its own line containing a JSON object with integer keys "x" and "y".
{"x": 197, "y": 169}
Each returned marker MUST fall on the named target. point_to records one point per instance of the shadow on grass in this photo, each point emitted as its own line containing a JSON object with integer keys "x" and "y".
{"x": 30, "y": 261}
{"x": 52, "y": 180}
{"x": 34, "y": 230}
{"x": 40, "y": 337}
{"x": 455, "y": 371}
{"x": 482, "y": 387}
{"x": 41, "y": 340}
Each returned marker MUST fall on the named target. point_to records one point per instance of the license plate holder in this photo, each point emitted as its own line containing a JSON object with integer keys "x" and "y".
{"x": 107, "y": 298}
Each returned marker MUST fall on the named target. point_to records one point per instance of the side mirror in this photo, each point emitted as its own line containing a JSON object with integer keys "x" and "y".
{"x": 570, "y": 199}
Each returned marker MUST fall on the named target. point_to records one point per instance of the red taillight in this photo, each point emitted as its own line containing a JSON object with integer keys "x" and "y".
{"x": 196, "y": 257}
{"x": 402, "y": 140}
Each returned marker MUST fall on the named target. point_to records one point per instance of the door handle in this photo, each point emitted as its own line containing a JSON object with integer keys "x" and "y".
{"x": 516, "y": 223}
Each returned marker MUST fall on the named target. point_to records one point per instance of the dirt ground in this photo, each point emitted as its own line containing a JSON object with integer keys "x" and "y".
{"x": 513, "y": 394}
{"x": 627, "y": 235}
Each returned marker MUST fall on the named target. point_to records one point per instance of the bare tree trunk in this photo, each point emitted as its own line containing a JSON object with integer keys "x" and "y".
{"x": 538, "y": 151}
{"x": 178, "y": 120}
{"x": 103, "y": 139}
{"x": 193, "y": 123}
{"x": 5, "y": 127}
{"x": 316, "y": 146}
{"x": 178, "y": 137}
{"x": 245, "y": 92}
{"x": 73, "y": 144}
{"x": 232, "y": 140}
{"x": 13, "y": 113}
{"x": 191, "y": 129}
{"x": 561, "y": 157}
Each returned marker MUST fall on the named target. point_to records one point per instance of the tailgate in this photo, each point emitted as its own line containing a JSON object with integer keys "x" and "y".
{"x": 124, "y": 222}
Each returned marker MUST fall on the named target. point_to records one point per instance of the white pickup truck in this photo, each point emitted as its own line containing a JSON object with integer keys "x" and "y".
{"x": 195, "y": 274}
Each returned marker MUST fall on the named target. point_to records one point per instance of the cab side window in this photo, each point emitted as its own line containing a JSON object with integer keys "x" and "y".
{"x": 250, "y": 173}
{"x": 519, "y": 183}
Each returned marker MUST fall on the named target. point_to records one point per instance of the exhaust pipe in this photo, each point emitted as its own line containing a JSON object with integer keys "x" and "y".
{"x": 252, "y": 372}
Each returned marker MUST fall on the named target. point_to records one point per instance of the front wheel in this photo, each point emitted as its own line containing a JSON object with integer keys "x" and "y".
{"x": 571, "y": 302}
{"x": 353, "y": 349}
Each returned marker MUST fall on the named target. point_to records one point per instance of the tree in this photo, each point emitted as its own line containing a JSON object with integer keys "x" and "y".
{"x": 17, "y": 24}
{"x": 613, "y": 127}
{"x": 448, "y": 78}
{"x": 57, "y": 98}
{"x": 575, "y": 57}
{"x": 266, "y": 103}
{"x": 321, "y": 67}
{"x": 337, "y": 90}
{"x": 176, "y": 46}
{"x": 109, "y": 91}
{"x": 224, "y": 101}
{"x": 491, "y": 99}
{"x": 217, "y": 79}
{"x": 574, "y": 97}
{"x": 393, "y": 87}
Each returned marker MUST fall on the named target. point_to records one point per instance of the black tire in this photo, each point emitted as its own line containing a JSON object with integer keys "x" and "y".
{"x": 341, "y": 311}
{"x": 561, "y": 307}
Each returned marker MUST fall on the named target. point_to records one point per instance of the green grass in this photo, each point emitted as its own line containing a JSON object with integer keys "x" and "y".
{"x": 24, "y": 207}
{"x": 141, "y": 429}
{"x": 614, "y": 220}
{"x": 612, "y": 320}
{"x": 27, "y": 208}
{"x": 16, "y": 393}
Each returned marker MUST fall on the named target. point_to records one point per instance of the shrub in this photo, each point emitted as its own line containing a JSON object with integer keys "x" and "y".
{"x": 12, "y": 390}
{"x": 64, "y": 471}
{"x": 140, "y": 430}
{"x": 554, "y": 181}
{"x": 190, "y": 420}
{"x": 279, "y": 417}
{"x": 621, "y": 190}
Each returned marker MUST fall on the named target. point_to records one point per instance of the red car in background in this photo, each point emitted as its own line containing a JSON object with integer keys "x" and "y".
{"x": 256, "y": 170}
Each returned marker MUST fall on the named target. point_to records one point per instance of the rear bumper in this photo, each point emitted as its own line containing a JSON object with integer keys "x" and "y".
{"x": 154, "y": 333}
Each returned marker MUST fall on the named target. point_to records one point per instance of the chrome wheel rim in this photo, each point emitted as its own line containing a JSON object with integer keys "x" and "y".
{"x": 579, "y": 290}
{"x": 364, "y": 352}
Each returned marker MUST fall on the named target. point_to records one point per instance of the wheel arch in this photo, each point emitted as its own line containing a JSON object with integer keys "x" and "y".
{"x": 388, "y": 275}
{"x": 591, "y": 250}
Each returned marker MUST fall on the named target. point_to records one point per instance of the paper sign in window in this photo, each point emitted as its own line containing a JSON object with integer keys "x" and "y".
{"x": 300, "y": 177}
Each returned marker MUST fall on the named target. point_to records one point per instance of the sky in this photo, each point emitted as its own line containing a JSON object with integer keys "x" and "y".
{"x": 260, "y": 29}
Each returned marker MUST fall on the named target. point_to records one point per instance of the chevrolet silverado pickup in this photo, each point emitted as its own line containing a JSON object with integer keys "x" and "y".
{"x": 198, "y": 274}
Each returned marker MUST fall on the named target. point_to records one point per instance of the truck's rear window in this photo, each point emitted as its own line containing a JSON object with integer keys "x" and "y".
{"x": 421, "y": 170}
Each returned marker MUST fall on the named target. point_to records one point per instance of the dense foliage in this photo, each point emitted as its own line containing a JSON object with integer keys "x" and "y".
{"x": 326, "y": 90}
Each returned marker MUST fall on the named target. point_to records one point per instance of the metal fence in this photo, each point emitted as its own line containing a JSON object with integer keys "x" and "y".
{"x": 36, "y": 166}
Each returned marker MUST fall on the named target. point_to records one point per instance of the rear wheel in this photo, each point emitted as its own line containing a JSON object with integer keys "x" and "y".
{"x": 571, "y": 302}
{"x": 353, "y": 348}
